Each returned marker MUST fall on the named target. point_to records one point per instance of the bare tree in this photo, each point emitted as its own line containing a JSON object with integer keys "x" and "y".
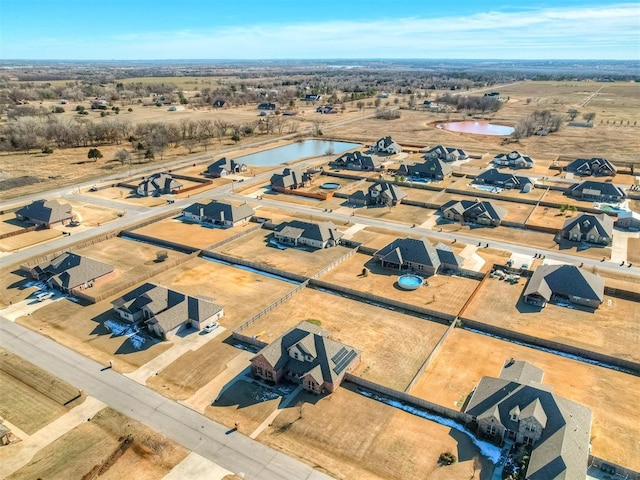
{"x": 589, "y": 116}
{"x": 123, "y": 155}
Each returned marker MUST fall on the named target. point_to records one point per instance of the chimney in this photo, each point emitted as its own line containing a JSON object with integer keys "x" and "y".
{"x": 222, "y": 216}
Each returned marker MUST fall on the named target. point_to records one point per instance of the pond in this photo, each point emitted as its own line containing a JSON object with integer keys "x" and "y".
{"x": 476, "y": 128}
{"x": 287, "y": 153}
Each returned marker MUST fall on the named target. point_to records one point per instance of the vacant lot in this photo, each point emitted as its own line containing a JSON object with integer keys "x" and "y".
{"x": 190, "y": 233}
{"x": 466, "y": 357}
{"x": 337, "y": 434}
{"x": 633, "y": 250}
{"x": 151, "y": 455}
{"x": 127, "y": 195}
{"x": 375, "y": 331}
{"x": 549, "y": 217}
{"x": 254, "y": 247}
{"x": 444, "y": 293}
{"x": 90, "y": 215}
{"x": 613, "y": 329}
{"x": 400, "y": 213}
{"x": 23, "y": 240}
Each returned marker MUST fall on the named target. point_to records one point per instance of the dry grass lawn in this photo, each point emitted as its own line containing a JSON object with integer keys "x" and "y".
{"x": 150, "y": 457}
{"x": 375, "y": 331}
{"x": 466, "y": 357}
{"x": 126, "y": 195}
{"x": 400, "y": 213}
{"x": 613, "y": 329}
{"x": 633, "y": 250}
{"x": 91, "y": 215}
{"x": 24, "y": 240}
{"x": 9, "y": 223}
{"x": 350, "y": 436}
{"x": 549, "y": 217}
{"x": 444, "y": 293}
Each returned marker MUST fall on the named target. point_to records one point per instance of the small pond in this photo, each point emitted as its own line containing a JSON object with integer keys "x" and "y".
{"x": 294, "y": 151}
{"x": 476, "y": 128}
{"x": 330, "y": 185}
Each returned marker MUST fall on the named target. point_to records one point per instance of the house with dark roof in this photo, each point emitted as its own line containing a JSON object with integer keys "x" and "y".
{"x": 158, "y": 184}
{"x": 219, "y": 213}
{"x": 446, "y": 154}
{"x": 219, "y": 103}
{"x": 224, "y": 167}
{"x": 45, "y": 213}
{"x": 588, "y": 227}
{"x": 70, "y": 271}
{"x": 516, "y": 407}
{"x": 357, "y": 161}
{"x": 386, "y": 145}
{"x": 305, "y": 355}
{"x": 505, "y": 180}
{"x": 316, "y": 235}
{"x": 592, "y": 167}
{"x": 290, "y": 179}
{"x": 564, "y": 283}
{"x": 418, "y": 255}
{"x": 432, "y": 168}
{"x": 311, "y": 97}
{"x": 629, "y": 220}
{"x": 385, "y": 193}
{"x": 164, "y": 311}
{"x": 513, "y": 159}
{"x": 267, "y": 106}
{"x": 476, "y": 211}
{"x": 596, "y": 192}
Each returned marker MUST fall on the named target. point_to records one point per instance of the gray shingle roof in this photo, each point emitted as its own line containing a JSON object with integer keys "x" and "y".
{"x": 221, "y": 211}
{"x": 46, "y": 211}
{"x": 565, "y": 280}
{"x": 403, "y": 250}
{"x": 591, "y": 166}
{"x": 494, "y": 176}
{"x": 521, "y": 372}
{"x": 70, "y": 270}
{"x": 159, "y": 183}
{"x": 431, "y": 167}
{"x": 314, "y": 231}
{"x": 289, "y": 177}
{"x": 475, "y": 209}
{"x": 587, "y": 222}
{"x": 388, "y": 190}
{"x": 513, "y": 158}
{"x": 590, "y": 187}
{"x": 223, "y": 165}
{"x": 357, "y": 161}
{"x": 440, "y": 151}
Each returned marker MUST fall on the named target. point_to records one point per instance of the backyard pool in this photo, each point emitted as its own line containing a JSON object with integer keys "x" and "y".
{"x": 330, "y": 185}
{"x": 294, "y": 151}
{"x": 409, "y": 281}
{"x": 476, "y": 128}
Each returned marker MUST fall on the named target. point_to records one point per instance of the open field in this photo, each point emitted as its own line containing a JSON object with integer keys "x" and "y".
{"x": 337, "y": 435}
{"x": 92, "y": 215}
{"x": 549, "y": 217}
{"x": 561, "y": 199}
{"x": 9, "y": 223}
{"x": 189, "y": 233}
{"x": 253, "y": 247}
{"x": 466, "y": 357}
{"x": 633, "y": 250}
{"x": 375, "y": 331}
{"x": 399, "y": 213}
{"x": 150, "y": 456}
{"x": 81, "y": 329}
{"x": 612, "y": 329}
{"x": 23, "y": 240}
{"x": 443, "y": 294}
{"x": 127, "y": 195}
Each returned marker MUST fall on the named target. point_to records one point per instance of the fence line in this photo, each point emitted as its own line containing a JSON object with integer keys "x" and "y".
{"x": 180, "y": 247}
{"x": 256, "y": 266}
{"x": 613, "y": 469}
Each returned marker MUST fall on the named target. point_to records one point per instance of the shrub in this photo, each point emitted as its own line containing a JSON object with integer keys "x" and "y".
{"x": 47, "y": 150}
{"x": 314, "y": 321}
{"x": 446, "y": 458}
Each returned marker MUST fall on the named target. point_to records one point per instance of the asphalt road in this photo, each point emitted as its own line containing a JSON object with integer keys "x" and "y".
{"x": 233, "y": 451}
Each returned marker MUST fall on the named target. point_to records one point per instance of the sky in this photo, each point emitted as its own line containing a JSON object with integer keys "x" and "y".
{"x": 325, "y": 29}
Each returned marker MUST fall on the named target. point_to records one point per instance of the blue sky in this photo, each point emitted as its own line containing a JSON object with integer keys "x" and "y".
{"x": 281, "y": 29}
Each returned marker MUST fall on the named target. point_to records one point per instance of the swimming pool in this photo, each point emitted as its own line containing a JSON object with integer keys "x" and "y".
{"x": 410, "y": 281}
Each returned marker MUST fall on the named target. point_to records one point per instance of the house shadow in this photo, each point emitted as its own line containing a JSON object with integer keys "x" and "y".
{"x": 19, "y": 284}
{"x": 137, "y": 343}
{"x": 524, "y": 307}
{"x": 185, "y": 330}
{"x": 467, "y": 451}
{"x": 17, "y": 223}
{"x": 100, "y": 328}
{"x": 565, "y": 244}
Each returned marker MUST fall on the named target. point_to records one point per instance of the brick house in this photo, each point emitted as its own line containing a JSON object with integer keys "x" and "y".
{"x": 69, "y": 271}
{"x": 219, "y": 213}
{"x": 45, "y": 213}
{"x": 589, "y": 228}
{"x": 564, "y": 283}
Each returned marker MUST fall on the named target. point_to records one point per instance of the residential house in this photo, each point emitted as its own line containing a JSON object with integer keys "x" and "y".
{"x": 45, "y": 213}
{"x": 70, "y": 271}
{"x": 164, "y": 311}
{"x": 305, "y": 355}
{"x": 290, "y": 179}
{"x": 158, "y": 184}
{"x": 432, "y": 168}
{"x": 588, "y": 227}
{"x": 447, "y": 154}
{"x": 385, "y": 193}
{"x": 357, "y": 161}
{"x": 505, "y": 180}
{"x": 224, "y": 167}
{"x": 596, "y": 191}
{"x": 418, "y": 255}
{"x": 316, "y": 235}
{"x": 326, "y": 109}
{"x": 267, "y": 106}
{"x": 513, "y": 159}
{"x": 310, "y": 97}
{"x": 628, "y": 220}
{"x": 386, "y": 145}
{"x": 219, "y": 103}
{"x": 516, "y": 407}
{"x": 219, "y": 213}
{"x": 565, "y": 283}
{"x": 481, "y": 212}
{"x": 592, "y": 167}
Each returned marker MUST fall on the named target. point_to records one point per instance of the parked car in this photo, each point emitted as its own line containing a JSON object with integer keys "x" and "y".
{"x": 210, "y": 327}
{"x": 44, "y": 296}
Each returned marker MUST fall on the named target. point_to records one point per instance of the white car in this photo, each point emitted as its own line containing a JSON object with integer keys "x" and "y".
{"x": 210, "y": 327}
{"x": 44, "y": 296}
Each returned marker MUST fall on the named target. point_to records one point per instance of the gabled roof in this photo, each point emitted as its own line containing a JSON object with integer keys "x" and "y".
{"x": 440, "y": 151}
{"x": 330, "y": 360}
{"x": 521, "y": 372}
{"x": 591, "y": 166}
{"x": 563, "y": 449}
{"x": 388, "y": 190}
{"x": 432, "y": 166}
{"x": 314, "y": 231}
{"x": 221, "y": 165}
{"x": 159, "y": 182}
{"x": 565, "y": 280}
{"x": 221, "y": 211}
{"x": 403, "y": 250}
{"x": 46, "y": 211}
{"x": 586, "y": 222}
{"x": 447, "y": 256}
{"x": 357, "y": 159}
{"x": 494, "y": 176}
{"x": 475, "y": 209}
{"x": 70, "y": 270}
{"x": 590, "y": 187}
{"x": 289, "y": 177}
{"x": 513, "y": 158}
{"x": 388, "y": 142}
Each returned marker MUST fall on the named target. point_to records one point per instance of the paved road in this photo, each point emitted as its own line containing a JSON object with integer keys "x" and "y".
{"x": 195, "y": 432}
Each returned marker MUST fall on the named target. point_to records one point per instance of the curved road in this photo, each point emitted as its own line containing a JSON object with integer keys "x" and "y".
{"x": 233, "y": 451}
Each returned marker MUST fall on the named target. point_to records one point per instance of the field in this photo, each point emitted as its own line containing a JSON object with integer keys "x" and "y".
{"x": 253, "y": 247}
{"x": 633, "y": 250}
{"x": 549, "y": 217}
{"x": 613, "y": 329}
{"x": 443, "y": 294}
{"x": 337, "y": 435}
{"x": 23, "y": 240}
{"x": 190, "y": 233}
{"x": 466, "y": 357}
{"x": 377, "y": 332}
{"x": 128, "y": 196}
{"x": 150, "y": 457}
